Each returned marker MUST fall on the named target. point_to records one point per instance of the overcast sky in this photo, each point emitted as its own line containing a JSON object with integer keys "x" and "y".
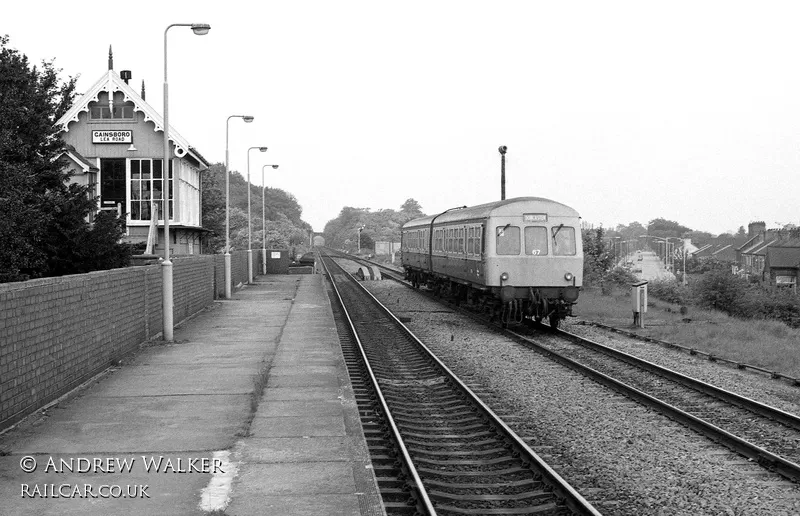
{"x": 626, "y": 111}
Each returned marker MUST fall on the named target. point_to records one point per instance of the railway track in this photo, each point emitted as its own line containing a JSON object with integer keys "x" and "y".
{"x": 762, "y": 434}
{"x": 436, "y": 447}
{"x": 757, "y": 431}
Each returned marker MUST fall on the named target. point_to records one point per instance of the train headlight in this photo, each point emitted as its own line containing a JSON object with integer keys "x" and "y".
{"x": 504, "y": 276}
{"x": 568, "y": 276}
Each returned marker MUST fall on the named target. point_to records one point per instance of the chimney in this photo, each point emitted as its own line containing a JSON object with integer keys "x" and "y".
{"x": 754, "y": 228}
{"x": 125, "y": 75}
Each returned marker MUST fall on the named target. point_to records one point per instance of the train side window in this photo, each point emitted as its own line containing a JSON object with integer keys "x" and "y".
{"x": 564, "y": 241}
{"x": 461, "y": 240}
{"x": 470, "y": 241}
{"x": 536, "y": 240}
{"x": 507, "y": 239}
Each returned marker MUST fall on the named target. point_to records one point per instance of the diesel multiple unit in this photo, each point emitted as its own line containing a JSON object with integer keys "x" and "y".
{"x": 520, "y": 258}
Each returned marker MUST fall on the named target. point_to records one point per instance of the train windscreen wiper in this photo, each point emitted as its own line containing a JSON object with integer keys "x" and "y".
{"x": 556, "y": 231}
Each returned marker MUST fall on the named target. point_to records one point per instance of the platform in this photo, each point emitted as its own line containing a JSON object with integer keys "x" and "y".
{"x": 180, "y": 429}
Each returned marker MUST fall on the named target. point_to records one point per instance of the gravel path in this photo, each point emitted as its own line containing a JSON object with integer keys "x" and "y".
{"x": 625, "y": 459}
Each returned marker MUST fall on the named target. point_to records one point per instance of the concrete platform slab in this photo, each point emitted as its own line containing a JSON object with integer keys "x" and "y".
{"x": 312, "y": 426}
{"x": 301, "y": 393}
{"x": 296, "y": 505}
{"x": 170, "y": 423}
{"x": 303, "y": 478}
{"x": 300, "y": 449}
{"x": 302, "y": 380}
{"x": 179, "y": 379}
{"x": 273, "y": 408}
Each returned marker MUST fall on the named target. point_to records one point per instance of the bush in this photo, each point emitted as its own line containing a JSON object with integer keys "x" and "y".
{"x": 721, "y": 290}
{"x": 616, "y": 277}
{"x": 764, "y": 303}
{"x": 669, "y": 291}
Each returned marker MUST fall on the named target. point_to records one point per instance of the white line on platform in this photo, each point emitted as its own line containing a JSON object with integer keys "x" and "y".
{"x": 217, "y": 494}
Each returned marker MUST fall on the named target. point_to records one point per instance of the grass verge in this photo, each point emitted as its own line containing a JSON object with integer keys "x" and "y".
{"x": 768, "y": 344}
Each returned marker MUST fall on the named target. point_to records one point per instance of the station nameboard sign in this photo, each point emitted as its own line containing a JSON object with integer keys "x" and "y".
{"x": 105, "y": 136}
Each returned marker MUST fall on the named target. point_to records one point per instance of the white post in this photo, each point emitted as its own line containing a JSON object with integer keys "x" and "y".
{"x": 228, "y": 279}
{"x": 166, "y": 265}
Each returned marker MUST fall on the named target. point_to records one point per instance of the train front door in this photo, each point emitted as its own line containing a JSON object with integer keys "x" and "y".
{"x": 112, "y": 184}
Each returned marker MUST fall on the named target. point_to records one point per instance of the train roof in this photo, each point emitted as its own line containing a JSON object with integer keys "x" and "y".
{"x": 513, "y": 206}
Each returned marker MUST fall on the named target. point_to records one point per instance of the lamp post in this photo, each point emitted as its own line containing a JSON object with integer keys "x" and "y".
{"x": 249, "y": 220}
{"x": 248, "y": 119}
{"x": 264, "y": 220}
{"x": 502, "y": 150}
{"x": 200, "y": 29}
{"x": 666, "y": 244}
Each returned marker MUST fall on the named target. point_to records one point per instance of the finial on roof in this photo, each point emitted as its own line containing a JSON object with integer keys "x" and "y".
{"x": 142, "y": 89}
{"x": 110, "y": 58}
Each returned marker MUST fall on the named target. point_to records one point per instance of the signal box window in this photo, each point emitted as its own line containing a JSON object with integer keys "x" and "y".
{"x": 507, "y": 239}
{"x": 105, "y": 110}
{"x": 536, "y": 240}
{"x": 564, "y": 241}
{"x": 147, "y": 188}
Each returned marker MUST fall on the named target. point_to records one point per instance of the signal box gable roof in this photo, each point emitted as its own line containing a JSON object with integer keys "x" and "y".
{"x": 515, "y": 206}
{"x": 84, "y": 164}
{"x": 111, "y": 82}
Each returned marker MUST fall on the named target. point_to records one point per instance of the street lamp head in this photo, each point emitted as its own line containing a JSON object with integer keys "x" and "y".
{"x": 248, "y": 118}
{"x": 275, "y": 166}
{"x": 262, "y": 149}
{"x": 201, "y": 29}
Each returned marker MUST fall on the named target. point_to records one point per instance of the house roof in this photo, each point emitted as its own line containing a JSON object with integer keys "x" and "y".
{"x": 759, "y": 248}
{"x": 111, "y": 82}
{"x": 783, "y": 257}
{"x": 790, "y": 242}
{"x": 704, "y": 250}
{"x": 720, "y": 248}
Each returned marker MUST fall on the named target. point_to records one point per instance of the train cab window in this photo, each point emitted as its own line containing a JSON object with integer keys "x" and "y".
{"x": 536, "y": 240}
{"x": 507, "y": 239}
{"x": 564, "y": 241}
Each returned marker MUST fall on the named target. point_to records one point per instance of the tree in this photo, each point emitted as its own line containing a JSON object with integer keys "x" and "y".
{"x": 43, "y": 223}
{"x": 597, "y": 260}
{"x": 666, "y": 228}
{"x": 411, "y": 209}
{"x": 382, "y": 225}
{"x": 284, "y": 227}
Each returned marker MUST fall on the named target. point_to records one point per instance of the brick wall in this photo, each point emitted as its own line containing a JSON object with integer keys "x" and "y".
{"x": 238, "y": 270}
{"x": 55, "y": 333}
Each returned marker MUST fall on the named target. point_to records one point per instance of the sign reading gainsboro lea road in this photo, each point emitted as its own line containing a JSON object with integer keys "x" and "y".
{"x": 102, "y": 136}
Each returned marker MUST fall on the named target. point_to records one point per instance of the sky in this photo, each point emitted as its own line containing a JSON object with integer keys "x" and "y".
{"x": 625, "y": 110}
